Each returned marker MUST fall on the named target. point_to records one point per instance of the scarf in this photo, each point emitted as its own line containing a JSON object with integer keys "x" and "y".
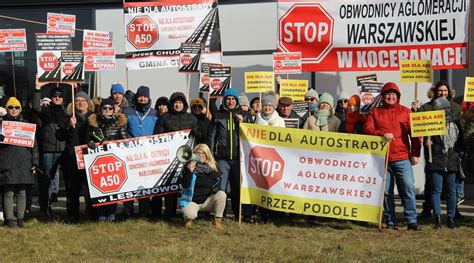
{"x": 202, "y": 168}
{"x": 322, "y": 117}
{"x": 451, "y": 136}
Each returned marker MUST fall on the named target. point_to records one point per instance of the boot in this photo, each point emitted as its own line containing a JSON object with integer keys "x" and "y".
{"x": 189, "y": 223}
{"x": 20, "y": 223}
{"x": 458, "y": 214}
{"x": 218, "y": 223}
{"x": 451, "y": 223}
{"x": 9, "y": 223}
{"x": 437, "y": 224}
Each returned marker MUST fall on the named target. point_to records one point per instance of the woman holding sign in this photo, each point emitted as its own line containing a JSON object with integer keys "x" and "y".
{"x": 445, "y": 165}
{"x": 17, "y": 165}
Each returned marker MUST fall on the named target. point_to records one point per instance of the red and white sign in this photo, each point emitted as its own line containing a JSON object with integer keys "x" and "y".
{"x": 19, "y": 133}
{"x": 155, "y": 30}
{"x": 99, "y": 59}
{"x": 108, "y": 173}
{"x": 48, "y": 61}
{"x": 373, "y": 35}
{"x": 61, "y": 24}
{"x": 287, "y": 63}
{"x": 13, "y": 40}
{"x": 96, "y": 40}
{"x": 204, "y": 76}
{"x": 266, "y": 166}
{"x": 134, "y": 168}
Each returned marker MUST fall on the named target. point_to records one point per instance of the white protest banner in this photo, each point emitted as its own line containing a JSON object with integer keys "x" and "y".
{"x": 124, "y": 170}
{"x": 374, "y": 35}
{"x": 99, "y": 59}
{"x": 13, "y": 40}
{"x": 155, "y": 30}
{"x": 190, "y": 57}
{"x": 72, "y": 66}
{"x": 19, "y": 133}
{"x": 324, "y": 174}
{"x": 287, "y": 63}
{"x": 48, "y": 55}
{"x": 97, "y": 39}
{"x": 61, "y": 24}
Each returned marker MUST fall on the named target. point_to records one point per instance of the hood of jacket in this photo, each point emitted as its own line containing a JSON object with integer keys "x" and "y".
{"x": 119, "y": 118}
{"x": 175, "y": 96}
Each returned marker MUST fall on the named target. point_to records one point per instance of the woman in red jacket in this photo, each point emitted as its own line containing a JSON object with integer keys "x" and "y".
{"x": 392, "y": 121}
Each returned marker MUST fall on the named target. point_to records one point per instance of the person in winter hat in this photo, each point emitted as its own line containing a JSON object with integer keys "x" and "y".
{"x": 162, "y": 106}
{"x": 354, "y": 120}
{"x": 175, "y": 120}
{"x": 244, "y": 102}
{"x": 392, "y": 121}
{"x": 142, "y": 119}
{"x": 341, "y": 108}
{"x": 16, "y": 166}
{"x": 268, "y": 115}
{"x": 323, "y": 119}
{"x": 117, "y": 94}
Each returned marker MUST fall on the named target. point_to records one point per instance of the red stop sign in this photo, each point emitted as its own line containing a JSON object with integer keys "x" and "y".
{"x": 2, "y": 39}
{"x": 89, "y": 60}
{"x": 216, "y": 84}
{"x": 265, "y": 166}
{"x": 205, "y": 79}
{"x": 107, "y": 173}
{"x": 68, "y": 69}
{"x": 306, "y": 28}
{"x": 186, "y": 60}
{"x": 367, "y": 98}
{"x": 48, "y": 61}
{"x": 142, "y": 32}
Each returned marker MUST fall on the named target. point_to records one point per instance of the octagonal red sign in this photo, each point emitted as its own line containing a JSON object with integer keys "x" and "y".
{"x": 306, "y": 28}
{"x": 266, "y": 166}
{"x": 142, "y": 32}
{"x": 108, "y": 173}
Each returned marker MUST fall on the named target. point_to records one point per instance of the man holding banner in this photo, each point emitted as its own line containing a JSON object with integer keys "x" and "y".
{"x": 392, "y": 121}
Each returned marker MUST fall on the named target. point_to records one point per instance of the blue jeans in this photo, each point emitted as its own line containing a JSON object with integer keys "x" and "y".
{"x": 231, "y": 175}
{"x": 437, "y": 178}
{"x": 44, "y": 181}
{"x": 400, "y": 172}
{"x": 460, "y": 188}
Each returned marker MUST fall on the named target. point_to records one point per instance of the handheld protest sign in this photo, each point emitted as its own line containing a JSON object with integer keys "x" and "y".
{"x": 301, "y": 108}
{"x": 257, "y": 82}
{"x": 190, "y": 57}
{"x": 293, "y": 88}
{"x": 292, "y": 122}
{"x": 416, "y": 71}
{"x": 61, "y": 24}
{"x": 428, "y": 123}
{"x": 48, "y": 55}
{"x": 97, "y": 39}
{"x": 219, "y": 80}
{"x": 469, "y": 89}
{"x": 72, "y": 66}
{"x": 99, "y": 59}
{"x": 12, "y": 40}
{"x": 287, "y": 63}
{"x": 370, "y": 96}
{"x": 19, "y": 133}
{"x": 204, "y": 76}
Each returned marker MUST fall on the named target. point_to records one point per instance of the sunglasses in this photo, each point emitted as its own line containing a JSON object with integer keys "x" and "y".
{"x": 57, "y": 96}
{"x": 13, "y": 107}
{"x": 312, "y": 99}
{"x": 107, "y": 108}
{"x": 343, "y": 101}
{"x": 197, "y": 107}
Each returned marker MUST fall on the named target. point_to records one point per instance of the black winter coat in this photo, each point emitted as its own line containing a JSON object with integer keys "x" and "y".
{"x": 16, "y": 161}
{"x": 50, "y": 118}
{"x": 204, "y": 124}
{"x": 102, "y": 129}
{"x": 445, "y": 161}
{"x": 206, "y": 184}
{"x": 73, "y": 136}
{"x": 224, "y": 133}
{"x": 177, "y": 121}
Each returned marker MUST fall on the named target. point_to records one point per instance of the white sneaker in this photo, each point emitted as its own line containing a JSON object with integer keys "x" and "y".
{"x": 1, "y": 216}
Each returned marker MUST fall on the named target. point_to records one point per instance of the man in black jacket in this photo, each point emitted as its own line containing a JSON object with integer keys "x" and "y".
{"x": 51, "y": 147}
{"x": 176, "y": 119}
{"x": 198, "y": 109}
{"x": 225, "y": 145}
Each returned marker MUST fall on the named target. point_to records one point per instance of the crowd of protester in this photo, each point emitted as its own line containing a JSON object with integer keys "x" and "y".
{"x": 216, "y": 130}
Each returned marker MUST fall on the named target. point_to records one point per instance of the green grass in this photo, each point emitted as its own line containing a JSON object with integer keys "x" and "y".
{"x": 139, "y": 240}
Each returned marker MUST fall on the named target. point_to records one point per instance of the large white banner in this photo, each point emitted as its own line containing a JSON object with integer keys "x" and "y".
{"x": 314, "y": 173}
{"x": 155, "y": 30}
{"x": 135, "y": 168}
{"x": 356, "y": 35}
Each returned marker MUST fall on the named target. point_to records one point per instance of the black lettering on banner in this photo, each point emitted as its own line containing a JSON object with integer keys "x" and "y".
{"x": 330, "y": 210}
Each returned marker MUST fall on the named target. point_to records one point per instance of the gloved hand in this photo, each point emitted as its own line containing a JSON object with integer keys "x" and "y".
{"x": 91, "y": 145}
{"x": 2, "y": 137}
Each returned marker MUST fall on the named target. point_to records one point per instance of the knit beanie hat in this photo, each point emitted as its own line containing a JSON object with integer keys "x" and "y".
{"x": 354, "y": 100}
{"x": 57, "y": 91}
{"x": 117, "y": 88}
{"x": 343, "y": 96}
{"x": 231, "y": 92}
{"x": 197, "y": 101}
{"x": 143, "y": 91}
{"x": 269, "y": 98}
{"x": 83, "y": 95}
{"x": 312, "y": 93}
{"x": 326, "y": 98}
{"x": 441, "y": 104}
{"x": 162, "y": 101}
{"x": 107, "y": 102}
{"x": 12, "y": 101}
{"x": 254, "y": 100}
{"x": 244, "y": 100}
